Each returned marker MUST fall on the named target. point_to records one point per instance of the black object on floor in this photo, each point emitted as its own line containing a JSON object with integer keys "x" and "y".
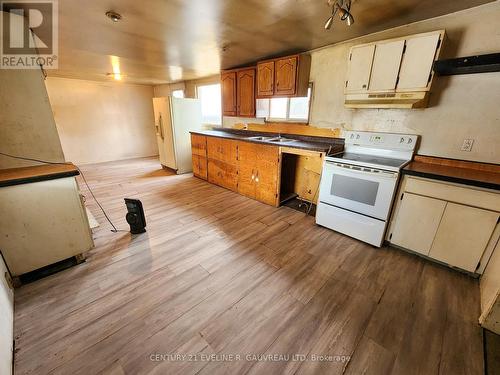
{"x": 135, "y": 216}
{"x": 301, "y": 205}
{"x": 46, "y": 271}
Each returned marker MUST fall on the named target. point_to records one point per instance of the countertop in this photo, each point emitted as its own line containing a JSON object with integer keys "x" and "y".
{"x": 312, "y": 143}
{"x": 467, "y": 174}
{"x": 25, "y": 175}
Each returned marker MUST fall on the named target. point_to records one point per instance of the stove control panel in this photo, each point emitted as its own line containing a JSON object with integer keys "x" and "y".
{"x": 381, "y": 140}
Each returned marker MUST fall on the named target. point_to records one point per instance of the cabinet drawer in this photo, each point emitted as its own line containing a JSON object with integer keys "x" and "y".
{"x": 221, "y": 149}
{"x": 452, "y": 193}
{"x": 199, "y": 145}
{"x": 223, "y": 174}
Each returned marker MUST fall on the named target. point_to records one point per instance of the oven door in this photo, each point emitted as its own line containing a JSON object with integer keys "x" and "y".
{"x": 361, "y": 190}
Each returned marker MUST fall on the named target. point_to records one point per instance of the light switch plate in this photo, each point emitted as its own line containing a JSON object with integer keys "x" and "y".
{"x": 467, "y": 145}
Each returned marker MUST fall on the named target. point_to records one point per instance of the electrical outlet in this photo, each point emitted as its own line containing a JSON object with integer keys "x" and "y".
{"x": 467, "y": 145}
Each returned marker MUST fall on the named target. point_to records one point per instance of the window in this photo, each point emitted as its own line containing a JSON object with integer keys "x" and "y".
{"x": 210, "y": 97}
{"x": 285, "y": 109}
{"x": 178, "y": 93}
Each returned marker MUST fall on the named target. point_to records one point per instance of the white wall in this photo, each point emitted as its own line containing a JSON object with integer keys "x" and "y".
{"x": 103, "y": 121}
{"x": 464, "y": 106}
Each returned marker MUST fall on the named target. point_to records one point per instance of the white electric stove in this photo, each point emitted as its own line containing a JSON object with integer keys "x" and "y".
{"x": 358, "y": 185}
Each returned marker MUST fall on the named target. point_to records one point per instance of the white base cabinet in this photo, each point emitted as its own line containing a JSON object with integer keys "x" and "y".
{"x": 450, "y": 223}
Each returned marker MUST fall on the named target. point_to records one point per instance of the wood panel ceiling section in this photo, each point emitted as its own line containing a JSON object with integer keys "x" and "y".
{"x": 162, "y": 41}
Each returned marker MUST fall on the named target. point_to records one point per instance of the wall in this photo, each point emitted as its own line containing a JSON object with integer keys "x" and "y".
{"x": 103, "y": 121}
{"x": 166, "y": 89}
{"x": 27, "y": 127}
{"x": 464, "y": 106}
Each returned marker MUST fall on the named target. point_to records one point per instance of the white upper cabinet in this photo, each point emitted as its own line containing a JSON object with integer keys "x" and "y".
{"x": 386, "y": 63}
{"x": 360, "y": 65}
{"x": 416, "y": 67}
{"x": 393, "y": 73}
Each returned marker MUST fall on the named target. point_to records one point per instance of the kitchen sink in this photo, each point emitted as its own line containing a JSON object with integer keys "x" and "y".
{"x": 260, "y": 138}
{"x": 280, "y": 139}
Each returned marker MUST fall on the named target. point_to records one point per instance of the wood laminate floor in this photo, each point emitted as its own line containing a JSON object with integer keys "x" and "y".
{"x": 222, "y": 284}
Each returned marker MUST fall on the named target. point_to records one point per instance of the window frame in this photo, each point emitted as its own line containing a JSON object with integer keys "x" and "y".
{"x": 177, "y": 90}
{"x": 288, "y": 119}
{"x": 197, "y": 92}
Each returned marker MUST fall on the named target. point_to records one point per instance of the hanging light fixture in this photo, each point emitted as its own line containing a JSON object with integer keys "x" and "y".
{"x": 343, "y": 7}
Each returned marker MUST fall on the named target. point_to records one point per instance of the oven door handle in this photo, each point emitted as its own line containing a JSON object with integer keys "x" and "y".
{"x": 387, "y": 175}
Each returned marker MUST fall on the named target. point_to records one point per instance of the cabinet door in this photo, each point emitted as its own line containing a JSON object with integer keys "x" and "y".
{"x": 199, "y": 145}
{"x": 463, "y": 235}
{"x": 265, "y": 79}
{"x": 267, "y": 178}
{"x": 286, "y": 76}
{"x": 200, "y": 166}
{"x": 385, "y": 68}
{"x": 223, "y": 174}
{"x": 246, "y": 93}
{"x": 417, "y": 62}
{"x": 225, "y": 150}
{"x": 417, "y": 222}
{"x": 229, "y": 102}
{"x": 247, "y": 157}
{"x": 360, "y": 65}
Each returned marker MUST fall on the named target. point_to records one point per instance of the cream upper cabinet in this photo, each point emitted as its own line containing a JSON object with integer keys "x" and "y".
{"x": 392, "y": 73}
{"x": 463, "y": 235}
{"x": 417, "y": 222}
{"x": 386, "y": 63}
{"x": 360, "y": 65}
{"x": 416, "y": 66}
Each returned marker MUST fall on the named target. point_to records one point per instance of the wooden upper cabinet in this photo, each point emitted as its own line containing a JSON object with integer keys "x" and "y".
{"x": 229, "y": 100}
{"x": 416, "y": 66}
{"x": 360, "y": 67}
{"x": 386, "y": 63}
{"x": 286, "y": 76}
{"x": 265, "y": 79}
{"x": 246, "y": 92}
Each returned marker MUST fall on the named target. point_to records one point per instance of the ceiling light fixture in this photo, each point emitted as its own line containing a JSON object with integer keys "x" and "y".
{"x": 343, "y": 7}
{"x": 113, "y": 16}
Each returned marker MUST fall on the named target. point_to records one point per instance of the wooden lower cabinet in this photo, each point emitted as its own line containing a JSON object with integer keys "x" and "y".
{"x": 200, "y": 166}
{"x": 251, "y": 169}
{"x": 259, "y": 172}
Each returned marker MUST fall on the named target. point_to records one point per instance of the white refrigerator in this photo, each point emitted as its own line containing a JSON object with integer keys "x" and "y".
{"x": 174, "y": 119}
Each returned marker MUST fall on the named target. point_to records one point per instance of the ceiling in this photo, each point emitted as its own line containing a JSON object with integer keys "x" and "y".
{"x": 161, "y": 41}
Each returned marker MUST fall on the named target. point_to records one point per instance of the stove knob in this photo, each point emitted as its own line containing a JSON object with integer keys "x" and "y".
{"x": 352, "y": 136}
{"x": 401, "y": 140}
{"x": 410, "y": 140}
{"x": 357, "y": 136}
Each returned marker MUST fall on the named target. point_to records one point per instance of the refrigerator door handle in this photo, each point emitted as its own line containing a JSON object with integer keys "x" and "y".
{"x": 160, "y": 123}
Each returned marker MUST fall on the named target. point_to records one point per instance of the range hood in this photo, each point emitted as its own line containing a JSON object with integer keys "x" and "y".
{"x": 387, "y": 100}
